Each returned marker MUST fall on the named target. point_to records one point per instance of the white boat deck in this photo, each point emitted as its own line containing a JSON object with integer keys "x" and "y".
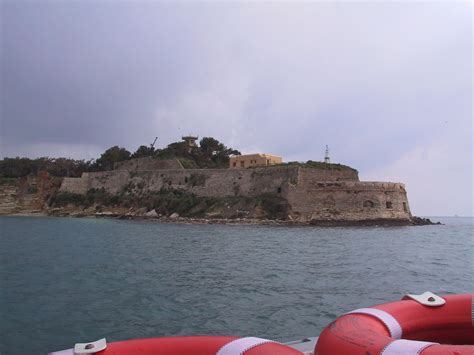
{"x": 305, "y": 345}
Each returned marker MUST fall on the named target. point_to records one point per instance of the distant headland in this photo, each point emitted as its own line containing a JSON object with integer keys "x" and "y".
{"x": 201, "y": 183}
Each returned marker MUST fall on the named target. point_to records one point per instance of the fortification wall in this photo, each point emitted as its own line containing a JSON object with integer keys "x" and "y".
{"x": 349, "y": 201}
{"x": 312, "y": 194}
{"x": 202, "y": 182}
{"x": 148, "y": 163}
{"x": 75, "y": 185}
{"x": 311, "y": 175}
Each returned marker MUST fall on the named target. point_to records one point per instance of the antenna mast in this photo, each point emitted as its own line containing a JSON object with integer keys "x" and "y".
{"x": 327, "y": 160}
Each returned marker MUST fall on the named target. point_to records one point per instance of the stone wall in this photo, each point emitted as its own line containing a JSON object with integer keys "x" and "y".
{"x": 312, "y": 194}
{"x": 349, "y": 201}
{"x": 148, "y": 163}
{"x": 312, "y": 175}
{"x": 205, "y": 182}
{"x": 75, "y": 185}
{"x": 202, "y": 182}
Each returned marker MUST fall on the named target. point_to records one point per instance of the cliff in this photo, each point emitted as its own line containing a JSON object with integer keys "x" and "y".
{"x": 27, "y": 195}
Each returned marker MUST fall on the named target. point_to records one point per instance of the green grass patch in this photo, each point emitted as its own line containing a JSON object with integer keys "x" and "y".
{"x": 309, "y": 164}
{"x": 8, "y": 181}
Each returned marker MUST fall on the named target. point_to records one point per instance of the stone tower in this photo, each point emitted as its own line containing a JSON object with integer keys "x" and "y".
{"x": 190, "y": 140}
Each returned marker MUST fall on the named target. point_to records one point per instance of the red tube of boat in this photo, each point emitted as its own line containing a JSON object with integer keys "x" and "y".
{"x": 193, "y": 345}
{"x": 405, "y": 327}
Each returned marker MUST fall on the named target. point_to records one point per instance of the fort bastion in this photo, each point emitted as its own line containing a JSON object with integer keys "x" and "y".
{"x": 319, "y": 195}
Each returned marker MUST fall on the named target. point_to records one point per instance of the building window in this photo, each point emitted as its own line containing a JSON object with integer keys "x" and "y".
{"x": 369, "y": 204}
{"x": 234, "y": 164}
{"x": 242, "y": 164}
{"x": 389, "y": 204}
{"x": 405, "y": 207}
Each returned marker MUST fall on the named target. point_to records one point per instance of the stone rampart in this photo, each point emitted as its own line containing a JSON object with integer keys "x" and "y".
{"x": 350, "y": 201}
{"x": 148, "y": 163}
{"x": 312, "y": 194}
{"x": 202, "y": 182}
{"x": 75, "y": 185}
{"x": 311, "y": 175}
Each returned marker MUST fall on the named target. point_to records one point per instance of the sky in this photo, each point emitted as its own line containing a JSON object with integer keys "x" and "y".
{"x": 387, "y": 85}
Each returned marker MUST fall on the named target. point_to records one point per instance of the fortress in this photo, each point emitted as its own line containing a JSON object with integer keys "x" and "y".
{"x": 324, "y": 194}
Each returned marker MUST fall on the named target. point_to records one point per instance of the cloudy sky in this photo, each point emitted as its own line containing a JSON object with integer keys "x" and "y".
{"x": 387, "y": 85}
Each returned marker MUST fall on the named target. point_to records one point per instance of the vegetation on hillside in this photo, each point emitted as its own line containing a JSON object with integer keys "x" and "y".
{"x": 209, "y": 154}
{"x": 315, "y": 165}
{"x": 110, "y": 157}
{"x": 19, "y": 167}
{"x": 168, "y": 201}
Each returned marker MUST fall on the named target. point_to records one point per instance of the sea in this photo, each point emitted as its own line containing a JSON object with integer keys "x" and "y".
{"x": 68, "y": 280}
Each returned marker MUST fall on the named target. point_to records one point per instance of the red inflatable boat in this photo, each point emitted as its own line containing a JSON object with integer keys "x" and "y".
{"x": 200, "y": 345}
{"x": 417, "y": 325}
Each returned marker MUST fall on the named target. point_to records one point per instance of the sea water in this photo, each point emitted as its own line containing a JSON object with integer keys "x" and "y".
{"x": 64, "y": 281}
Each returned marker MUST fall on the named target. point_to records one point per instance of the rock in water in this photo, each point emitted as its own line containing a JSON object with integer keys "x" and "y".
{"x": 151, "y": 213}
{"x": 419, "y": 221}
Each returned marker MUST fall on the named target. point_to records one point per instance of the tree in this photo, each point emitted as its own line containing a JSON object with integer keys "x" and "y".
{"x": 19, "y": 167}
{"x": 15, "y": 167}
{"x": 112, "y": 156}
{"x": 143, "y": 151}
{"x": 210, "y": 146}
{"x": 177, "y": 149}
{"x": 210, "y": 154}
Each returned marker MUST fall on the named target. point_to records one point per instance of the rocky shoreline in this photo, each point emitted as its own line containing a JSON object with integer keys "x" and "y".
{"x": 176, "y": 218}
{"x": 266, "y": 196}
{"x": 420, "y": 221}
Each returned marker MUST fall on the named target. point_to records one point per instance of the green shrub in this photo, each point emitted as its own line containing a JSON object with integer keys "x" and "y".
{"x": 188, "y": 163}
{"x": 275, "y": 206}
{"x": 309, "y": 164}
{"x": 64, "y": 198}
{"x": 32, "y": 190}
{"x": 8, "y": 181}
{"x": 196, "y": 180}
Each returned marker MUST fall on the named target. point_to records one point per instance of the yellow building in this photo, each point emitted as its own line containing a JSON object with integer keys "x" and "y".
{"x": 250, "y": 160}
